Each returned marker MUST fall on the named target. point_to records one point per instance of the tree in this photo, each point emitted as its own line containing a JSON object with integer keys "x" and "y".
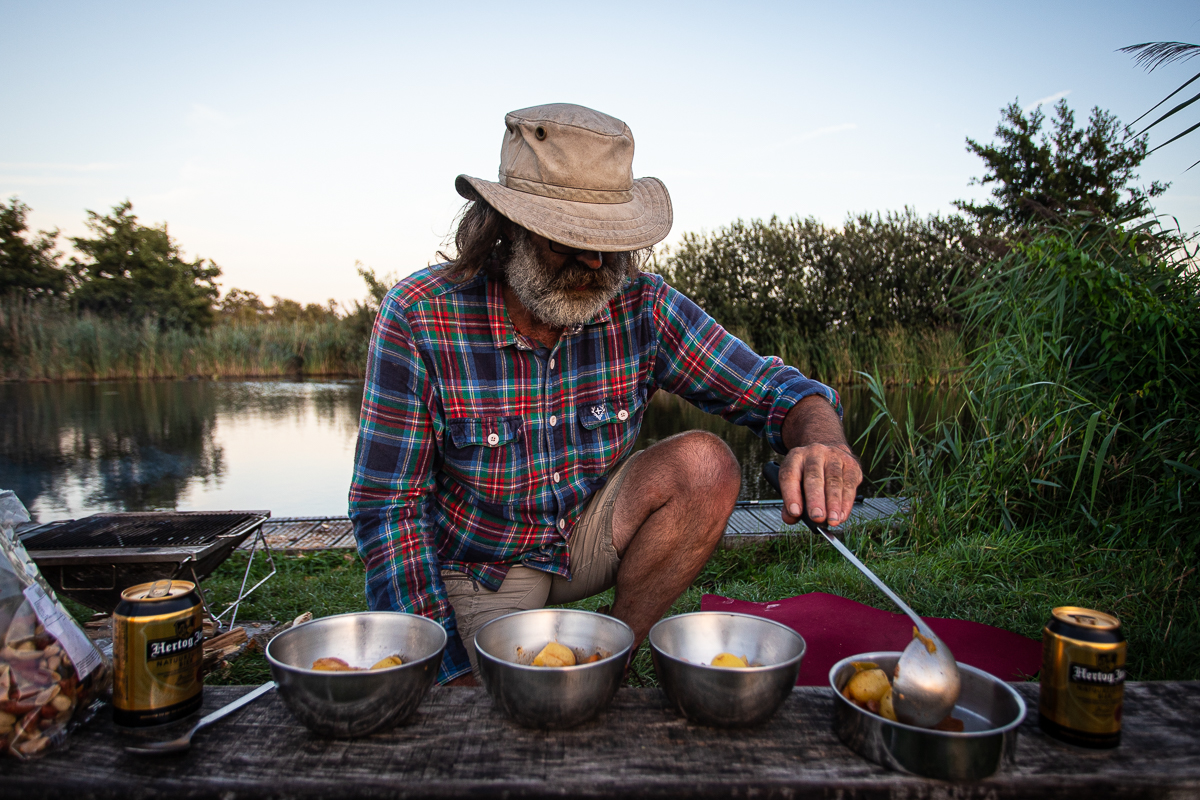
{"x": 1157, "y": 54}
{"x": 29, "y": 265}
{"x": 242, "y": 307}
{"x": 1048, "y": 175}
{"x": 135, "y": 271}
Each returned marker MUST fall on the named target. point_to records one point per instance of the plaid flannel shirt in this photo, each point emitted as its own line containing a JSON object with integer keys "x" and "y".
{"x": 478, "y": 449}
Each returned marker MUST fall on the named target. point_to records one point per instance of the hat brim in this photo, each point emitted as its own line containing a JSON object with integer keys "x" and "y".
{"x": 608, "y": 227}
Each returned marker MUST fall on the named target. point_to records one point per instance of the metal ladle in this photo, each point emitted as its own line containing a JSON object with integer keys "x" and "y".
{"x": 926, "y": 684}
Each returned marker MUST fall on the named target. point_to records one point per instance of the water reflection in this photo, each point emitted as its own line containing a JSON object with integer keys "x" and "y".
{"x": 669, "y": 415}
{"x": 73, "y": 449}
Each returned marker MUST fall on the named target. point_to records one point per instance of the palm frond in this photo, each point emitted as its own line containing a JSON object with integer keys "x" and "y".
{"x": 1177, "y": 136}
{"x": 1152, "y": 55}
{"x": 1173, "y": 111}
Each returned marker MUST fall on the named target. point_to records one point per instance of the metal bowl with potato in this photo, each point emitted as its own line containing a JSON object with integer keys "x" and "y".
{"x": 349, "y": 698}
{"x": 987, "y": 716}
{"x": 553, "y": 692}
{"x": 724, "y": 669}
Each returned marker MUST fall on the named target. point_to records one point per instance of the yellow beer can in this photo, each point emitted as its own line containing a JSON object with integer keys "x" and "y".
{"x": 158, "y": 647}
{"x": 1083, "y": 677}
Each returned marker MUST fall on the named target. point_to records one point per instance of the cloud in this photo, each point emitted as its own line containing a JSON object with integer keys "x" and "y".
{"x": 808, "y": 136}
{"x": 1047, "y": 100}
{"x": 826, "y": 131}
{"x": 202, "y": 116}
{"x": 97, "y": 167}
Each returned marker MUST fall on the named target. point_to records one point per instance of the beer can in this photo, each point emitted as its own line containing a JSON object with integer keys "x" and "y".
{"x": 158, "y": 647}
{"x": 1083, "y": 677}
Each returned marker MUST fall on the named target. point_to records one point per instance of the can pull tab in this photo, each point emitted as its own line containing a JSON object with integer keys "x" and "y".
{"x": 161, "y": 588}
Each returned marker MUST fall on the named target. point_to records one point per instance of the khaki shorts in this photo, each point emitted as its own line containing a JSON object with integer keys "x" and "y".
{"x": 594, "y": 563}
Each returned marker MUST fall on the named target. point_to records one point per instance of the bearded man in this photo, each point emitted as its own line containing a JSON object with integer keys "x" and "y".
{"x": 495, "y": 469}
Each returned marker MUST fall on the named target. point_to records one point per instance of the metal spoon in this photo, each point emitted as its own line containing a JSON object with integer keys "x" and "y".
{"x": 185, "y": 741}
{"x": 926, "y": 684}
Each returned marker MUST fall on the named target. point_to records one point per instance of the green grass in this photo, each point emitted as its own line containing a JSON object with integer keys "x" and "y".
{"x": 1010, "y": 581}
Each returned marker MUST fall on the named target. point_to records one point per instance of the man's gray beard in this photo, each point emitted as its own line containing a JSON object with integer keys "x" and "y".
{"x": 553, "y": 297}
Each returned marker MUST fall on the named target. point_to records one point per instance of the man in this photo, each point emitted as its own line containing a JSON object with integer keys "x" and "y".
{"x": 505, "y": 389}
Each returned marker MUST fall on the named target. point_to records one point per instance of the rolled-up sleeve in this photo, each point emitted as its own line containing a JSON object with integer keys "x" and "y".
{"x": 717, "y": 372}
{"x": 394, "y": 460}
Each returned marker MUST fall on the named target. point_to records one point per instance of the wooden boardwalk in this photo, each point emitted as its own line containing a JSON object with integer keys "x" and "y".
{"x": 752, "y": 521}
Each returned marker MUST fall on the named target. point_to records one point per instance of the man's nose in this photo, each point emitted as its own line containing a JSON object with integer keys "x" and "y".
{"x": 592, "y": 259}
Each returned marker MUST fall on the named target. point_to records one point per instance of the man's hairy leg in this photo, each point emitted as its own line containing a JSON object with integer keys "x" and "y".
{"x": 668, "y": 519}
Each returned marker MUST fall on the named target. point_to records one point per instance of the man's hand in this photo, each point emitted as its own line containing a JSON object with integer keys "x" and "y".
{"x": 464, "y": 680}
{"x": 820, "y": 478}
{"x": 819, "y": 472}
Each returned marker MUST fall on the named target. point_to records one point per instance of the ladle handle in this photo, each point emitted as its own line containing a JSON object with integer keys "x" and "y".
{"x": 245, "y": 699}
{"x": 771, "y": 473}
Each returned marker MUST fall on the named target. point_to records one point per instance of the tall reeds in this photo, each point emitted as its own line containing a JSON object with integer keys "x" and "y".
{"x": 39, "y": 341}
{"x": 1076, "y": 446}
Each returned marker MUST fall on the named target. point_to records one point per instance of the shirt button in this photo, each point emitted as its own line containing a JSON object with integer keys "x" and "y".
{"x": 557, "y": 477}
{"x": 553, "y": 420}
{"x": 622, "y": 415}
{"x": 562, "y": 523}
{"x": 493, "y": 439}
{"x": 552, "y": 363}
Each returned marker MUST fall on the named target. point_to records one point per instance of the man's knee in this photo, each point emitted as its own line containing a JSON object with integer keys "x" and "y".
{"x": 704, "y": 473}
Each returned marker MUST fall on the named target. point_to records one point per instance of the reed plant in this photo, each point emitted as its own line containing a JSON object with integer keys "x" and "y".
{"x": 43, "y": 341}
{"x": 1075, "y": 450}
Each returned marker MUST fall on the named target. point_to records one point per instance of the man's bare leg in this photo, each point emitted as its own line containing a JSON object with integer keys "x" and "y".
{"x": 667, "y": 521}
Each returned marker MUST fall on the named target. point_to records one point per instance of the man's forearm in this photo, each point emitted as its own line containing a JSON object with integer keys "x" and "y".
{"x": 813, "y": 421}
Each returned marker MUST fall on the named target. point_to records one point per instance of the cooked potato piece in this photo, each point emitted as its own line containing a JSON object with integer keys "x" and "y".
{"x": 867, "y": 686}
{"x": 554, "y": 655}
{"x": 885, "y": 706}
{"x": 391, "y": 661}
{"x": 332, "y": 665}
{"x": 730, "y": 660}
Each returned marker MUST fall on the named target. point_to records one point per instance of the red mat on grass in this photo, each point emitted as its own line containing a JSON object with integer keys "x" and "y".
{"x": 834, "y": 628}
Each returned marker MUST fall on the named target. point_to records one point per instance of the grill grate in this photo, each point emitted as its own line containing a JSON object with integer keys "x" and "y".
{"x": 168, "y": 529}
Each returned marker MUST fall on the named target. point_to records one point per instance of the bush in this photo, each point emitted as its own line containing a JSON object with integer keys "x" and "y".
{"x": 799, "y": 289}
{"x": 1082, "y": 401}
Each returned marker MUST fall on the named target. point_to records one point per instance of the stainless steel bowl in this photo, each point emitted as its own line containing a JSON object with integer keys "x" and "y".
{"x": 683, "y": 646}
{"x": 552, "y": 697}
{"x": 348, "y": 704}
{"x": 990, "y": 709}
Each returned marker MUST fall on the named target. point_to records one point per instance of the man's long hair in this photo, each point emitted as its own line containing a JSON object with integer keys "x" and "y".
{"x": 484, "y": 240}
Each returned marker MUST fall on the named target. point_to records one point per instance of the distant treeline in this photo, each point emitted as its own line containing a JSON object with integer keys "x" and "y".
{"x": 877, "y": 295}
{"x": 832, "y": 302}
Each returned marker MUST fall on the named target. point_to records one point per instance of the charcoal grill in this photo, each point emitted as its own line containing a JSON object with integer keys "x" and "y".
{"x": 92, "y": 560}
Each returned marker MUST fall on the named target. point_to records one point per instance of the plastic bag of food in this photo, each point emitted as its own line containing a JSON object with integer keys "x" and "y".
{"x": 52, "y": 678}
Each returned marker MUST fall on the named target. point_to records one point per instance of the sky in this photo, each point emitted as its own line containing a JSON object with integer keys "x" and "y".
{"x": 289, "y": 141}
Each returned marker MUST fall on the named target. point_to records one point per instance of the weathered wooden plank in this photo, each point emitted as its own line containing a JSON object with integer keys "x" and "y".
{"x": 758, "y": 520}
{"x": 459, "y": 745}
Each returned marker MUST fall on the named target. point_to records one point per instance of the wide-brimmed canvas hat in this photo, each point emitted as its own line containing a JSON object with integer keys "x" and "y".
{"x": 566, "y": 173}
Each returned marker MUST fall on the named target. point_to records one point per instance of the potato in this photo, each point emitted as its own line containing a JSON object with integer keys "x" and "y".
{"x": 391, "y": 661}
{"x": 332, "y": 665}
{"x": 867, "y": 686}
{"x": 730, "y": 660}
{"x": 554, "y": 655}
{"x": 885, "y": 706}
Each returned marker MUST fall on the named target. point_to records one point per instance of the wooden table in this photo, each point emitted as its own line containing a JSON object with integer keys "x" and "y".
{"x": 459, "y": 745}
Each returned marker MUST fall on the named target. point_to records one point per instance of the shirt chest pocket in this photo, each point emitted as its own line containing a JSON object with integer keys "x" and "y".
{"x": 608, "y": 430}
{"x": 488, "y": 454}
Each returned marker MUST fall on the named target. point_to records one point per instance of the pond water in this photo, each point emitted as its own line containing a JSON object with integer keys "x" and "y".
{"x": 73, "y": 449}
